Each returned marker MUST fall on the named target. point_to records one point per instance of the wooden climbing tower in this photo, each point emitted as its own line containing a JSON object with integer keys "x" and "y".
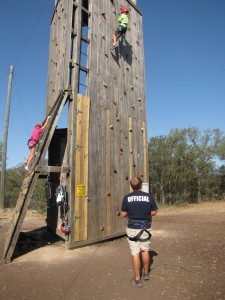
{"x": 105, "y": 141}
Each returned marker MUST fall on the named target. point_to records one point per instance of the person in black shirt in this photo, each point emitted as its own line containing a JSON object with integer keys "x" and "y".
{"x": 139, "y": 207}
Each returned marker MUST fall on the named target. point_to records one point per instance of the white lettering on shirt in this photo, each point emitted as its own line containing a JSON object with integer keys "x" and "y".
{"x": 138, "y": 198}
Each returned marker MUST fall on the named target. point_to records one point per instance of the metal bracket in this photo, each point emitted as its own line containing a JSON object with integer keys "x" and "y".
{"x": 75, "y": 218}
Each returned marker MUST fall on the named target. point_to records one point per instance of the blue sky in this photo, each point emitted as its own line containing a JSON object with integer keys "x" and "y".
{"x": 184, "y": 56}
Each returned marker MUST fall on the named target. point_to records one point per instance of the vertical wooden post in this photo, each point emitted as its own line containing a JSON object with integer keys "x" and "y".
{"x": 81, "y": 173}
{"x": 145, "y": 154}
{"x": 130, "y": 149}
{"x": 107, "y": 172}
{"x": 4, "y": 145}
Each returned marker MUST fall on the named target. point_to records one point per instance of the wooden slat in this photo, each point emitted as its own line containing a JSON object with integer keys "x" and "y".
{"x": 131, "y": 161}
{"x": 107, "y": 174}
{"x": 81, "y": 174}
{"x": 145, "y": 154}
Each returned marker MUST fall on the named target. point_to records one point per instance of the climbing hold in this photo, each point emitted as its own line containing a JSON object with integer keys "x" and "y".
{"x": 115, "y": 172}
{"x": 133, "y": 106}
{"x": 106, "y": 54}
{"x": 101, "y": 228}
{"x": 108, "y": 194}
{"x": 139, "y": 99}
{"x": 117, "y": 119}
{"x": 111, "y": 126}
{"x": 127, "y": 177}
{"x": 132, "y": 87}
{"x": 105, "y": 84}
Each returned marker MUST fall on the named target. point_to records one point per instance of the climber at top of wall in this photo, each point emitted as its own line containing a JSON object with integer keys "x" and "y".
{"x": 122, "y": 28}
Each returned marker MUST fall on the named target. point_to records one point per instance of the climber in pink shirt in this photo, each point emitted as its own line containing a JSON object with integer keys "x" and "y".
{"x": 33, "y": 141}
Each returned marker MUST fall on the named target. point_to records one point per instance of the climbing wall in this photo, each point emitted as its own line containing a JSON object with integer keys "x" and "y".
{"x": 106, "y": 134}
{"x": 116, "y": 88}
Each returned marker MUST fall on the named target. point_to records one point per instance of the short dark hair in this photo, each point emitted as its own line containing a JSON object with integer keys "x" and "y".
{"x": 136, "y": 183}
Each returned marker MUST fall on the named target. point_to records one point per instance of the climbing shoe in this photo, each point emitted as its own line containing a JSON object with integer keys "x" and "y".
{"x": 146, "y": 276}
{"x": 137, "y": 283}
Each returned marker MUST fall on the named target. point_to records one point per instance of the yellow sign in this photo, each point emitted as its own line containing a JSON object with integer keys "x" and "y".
{"x": 81, "y": 190}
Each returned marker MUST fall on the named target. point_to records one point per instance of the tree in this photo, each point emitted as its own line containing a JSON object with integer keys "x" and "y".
{"x": 182, "y": 165}
{"x": 14, "y": 179}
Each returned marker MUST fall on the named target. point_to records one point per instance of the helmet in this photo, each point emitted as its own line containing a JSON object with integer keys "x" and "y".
{"x": 124, "y": 9}
{"x": 38, "y": 125}
{"x": 65, "y": 228}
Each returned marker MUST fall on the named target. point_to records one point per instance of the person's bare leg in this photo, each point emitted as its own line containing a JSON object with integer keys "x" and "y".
{"x": 114, "y": 40}
{"x": 31, "y": 156}
{"x": 145, "y": 260}
{"x": 136, "y": 263}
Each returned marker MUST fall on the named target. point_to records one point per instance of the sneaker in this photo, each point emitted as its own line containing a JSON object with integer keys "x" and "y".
{"x": 136, "y": 282}
{"x": 146, "y": 276}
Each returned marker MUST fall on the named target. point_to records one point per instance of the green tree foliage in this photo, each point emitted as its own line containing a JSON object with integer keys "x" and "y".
{"x": 14, "y": 179}
{"x": 182, "y": 166}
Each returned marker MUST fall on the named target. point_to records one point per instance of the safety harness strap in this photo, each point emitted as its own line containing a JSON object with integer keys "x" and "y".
{"x": 31, "y": 139}
{"x": 144, "y": 224}
{"x": 137, "y": 238}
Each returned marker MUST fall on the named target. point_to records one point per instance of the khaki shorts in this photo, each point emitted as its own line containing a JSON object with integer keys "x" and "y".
{"x": 138, "y": 246}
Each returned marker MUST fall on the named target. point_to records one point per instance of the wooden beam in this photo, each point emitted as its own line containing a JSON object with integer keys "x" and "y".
{"x": 52, "y": 169}
{"x": 81, "y": 168}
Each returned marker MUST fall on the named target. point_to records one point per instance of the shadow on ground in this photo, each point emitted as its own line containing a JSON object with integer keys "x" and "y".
{"x": 33, "y": 240}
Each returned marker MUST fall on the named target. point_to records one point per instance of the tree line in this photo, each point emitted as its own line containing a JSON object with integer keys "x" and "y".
{"x": 187, "y": 166}
{"x": 183, "y": 168}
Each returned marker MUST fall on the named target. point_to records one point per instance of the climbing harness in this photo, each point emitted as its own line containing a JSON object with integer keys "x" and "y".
{"x": 31, "y": 139}
{"x": 61, "y": 201}
{"x": 61, "y": 195}
{"x": 143, "y": 225}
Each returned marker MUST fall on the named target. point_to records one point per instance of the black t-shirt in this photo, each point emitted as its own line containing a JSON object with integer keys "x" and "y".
{"x": 139, "y": 205}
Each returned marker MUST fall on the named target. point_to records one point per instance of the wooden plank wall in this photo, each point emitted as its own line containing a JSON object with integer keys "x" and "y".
{"x": 59, "y": 50}
{"x": 117, "y": 137}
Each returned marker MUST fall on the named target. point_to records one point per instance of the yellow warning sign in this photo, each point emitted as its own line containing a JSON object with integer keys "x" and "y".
{"x": 81, "y": 190}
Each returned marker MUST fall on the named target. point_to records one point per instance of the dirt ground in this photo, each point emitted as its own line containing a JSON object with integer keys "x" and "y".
{"x": 187, "y": 251}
